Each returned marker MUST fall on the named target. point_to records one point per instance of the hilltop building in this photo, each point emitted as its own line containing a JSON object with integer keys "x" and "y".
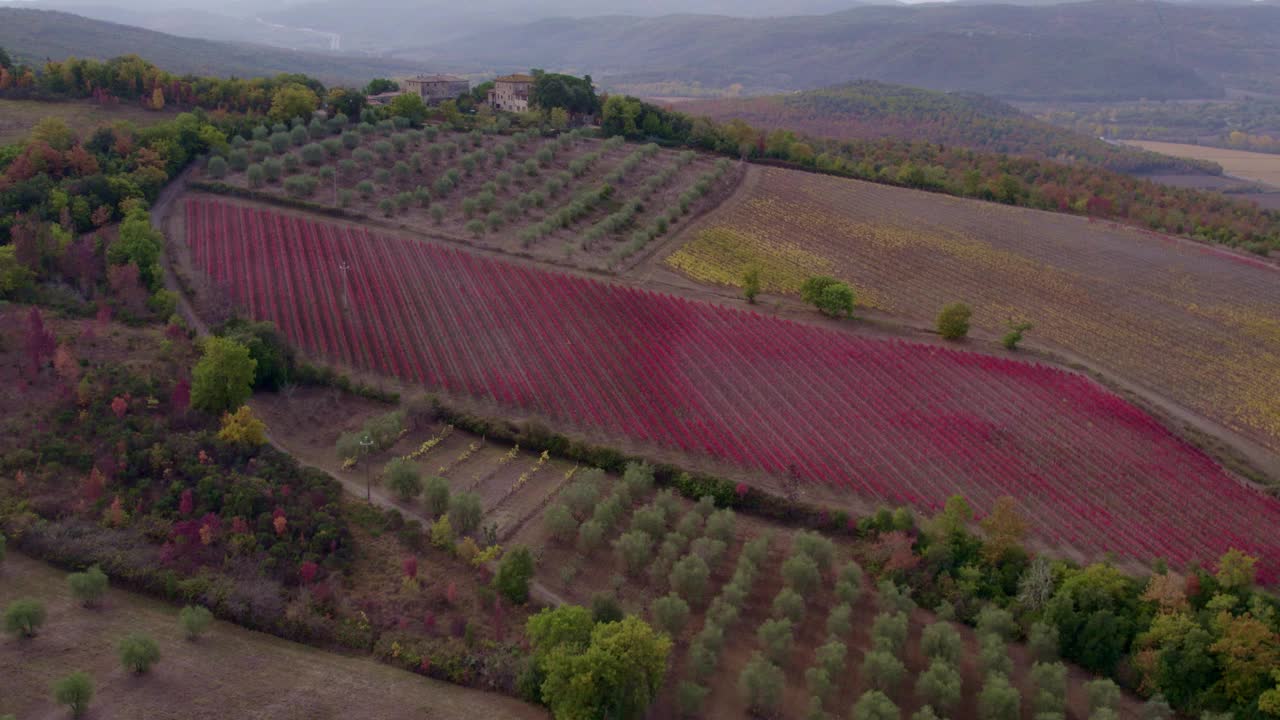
{"x": 436, "y": 88}
{"x": 510, "y": 93}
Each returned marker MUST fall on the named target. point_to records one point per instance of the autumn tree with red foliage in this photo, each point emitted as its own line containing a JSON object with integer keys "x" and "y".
{"x": 40, "y": 342}
{"x": 308, "y": 571}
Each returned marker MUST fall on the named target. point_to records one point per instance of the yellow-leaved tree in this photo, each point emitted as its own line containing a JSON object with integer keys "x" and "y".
{"x": 242, "y": 427}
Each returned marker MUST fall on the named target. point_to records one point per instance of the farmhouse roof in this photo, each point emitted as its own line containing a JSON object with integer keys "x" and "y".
{"x": 435, "y": 78}
{"x": 516, "y": 78}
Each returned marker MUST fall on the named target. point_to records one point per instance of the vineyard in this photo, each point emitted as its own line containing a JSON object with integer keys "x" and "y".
{"x": 1200, "y": 325}
{"x": 889, "y": 421}
{"x": 568, "y": 198}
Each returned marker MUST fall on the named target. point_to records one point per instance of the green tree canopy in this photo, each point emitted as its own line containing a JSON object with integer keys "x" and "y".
{"x": 223, "y": 378}
{"x": 293, "y": 100}
{"x": 575, "y": 95}
{"x": 616, "y": 676}
{"x": 377, "y": 86}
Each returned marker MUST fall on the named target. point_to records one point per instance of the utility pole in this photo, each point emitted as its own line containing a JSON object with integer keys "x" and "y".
{"x": 366, "y": 446}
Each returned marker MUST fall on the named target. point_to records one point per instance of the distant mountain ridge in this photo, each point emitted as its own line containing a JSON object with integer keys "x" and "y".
{"x": 34, "y": 35}
{"x": 869, "y": 110}
{"x": 1112, "y": 49}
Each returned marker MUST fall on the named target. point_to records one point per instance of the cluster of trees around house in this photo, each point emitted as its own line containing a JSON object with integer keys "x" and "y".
{"x": 1249, "y": 124}
{"x": 1025, "y": 181}
{"x": 868, "y": 110}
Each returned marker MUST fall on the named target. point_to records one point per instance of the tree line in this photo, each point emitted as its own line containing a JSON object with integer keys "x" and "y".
{"x": 1079, "y": 188}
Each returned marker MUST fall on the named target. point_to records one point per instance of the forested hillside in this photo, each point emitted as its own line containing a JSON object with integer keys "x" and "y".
{"x": 870, "y": 110}
{"x": 1097, "y": 50}
{"x": 36, "y": 35}
{"x": 1251, "y": 124}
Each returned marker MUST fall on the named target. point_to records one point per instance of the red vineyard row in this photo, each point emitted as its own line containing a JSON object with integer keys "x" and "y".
{"x": 898, "y": 422}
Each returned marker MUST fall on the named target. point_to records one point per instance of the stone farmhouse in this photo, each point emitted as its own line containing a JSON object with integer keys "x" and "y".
{"x": 436, "y": 88}
{"x": 510, "y": 93}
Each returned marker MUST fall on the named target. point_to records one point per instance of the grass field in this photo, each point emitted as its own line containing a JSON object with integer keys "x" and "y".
{"x": 232, "y": 672}
{"x": 17, "y": 117}
{"x": 1195, "y": 323}
{"x": 916, "y": 423}
{"x": 1263, "y": 167}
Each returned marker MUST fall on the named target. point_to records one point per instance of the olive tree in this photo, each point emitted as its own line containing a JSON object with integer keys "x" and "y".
{"x": 776, "y": 637}
{"x": 194, "y": 621}
{"x": 138, "y": 652}
{"x": 690, "y": 578}
{"x": 75, "y": 691}
{"x": 940, "y": 684}
{"x": 941, "y": 641}
{"x": 671, "y": 613}
{"x": 89, "y": 586}
{"x": 883, "y": 669}
{"x": 761, "y": 684}
{"x": 23, "y": 618}
{"x": 875, "y": 705}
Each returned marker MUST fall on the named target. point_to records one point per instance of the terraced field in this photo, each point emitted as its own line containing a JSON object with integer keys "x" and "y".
{"x": 883, "y": 421}
{"x": 1197, "y": 324}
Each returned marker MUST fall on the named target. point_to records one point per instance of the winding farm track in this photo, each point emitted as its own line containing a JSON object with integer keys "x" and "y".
{"x": 884, "y": 420}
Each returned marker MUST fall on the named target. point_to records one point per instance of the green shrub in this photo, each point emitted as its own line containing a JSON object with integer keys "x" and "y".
{"x": 883, "y": 669}
{"x": 1042, "y": 640}
{"x": 638, "y": 478}
{"x": 635, "y": 548}
{"x": 194, "y": 621}
{"x": 23, "y": 618}
{"x": 829, "y": 295}
{"x": 256, "y": 175}
{"x": 138, "y": 652}
{"x": 875, "y": 705}
{"x": 940, "y": 685}
{"x": 762, "y": 684}
{"x": 940, "y": 641}
{"x": 993, "y": 654}
{"x": 436, "y": 496}
{"x": 514, "y": 573}
{"x": 953, "y": 321}
{"x": 751, "y": 283}
{"x": 560, "y": 523}
{"x": 217, "y": 168}
{"x": 605, "y": 608}
{"x": 889, "y": 631}
{"x": 999, "y": 700}
{"x": 671, "y": 613}
{"x": 789, "y": 604}
{"x": 401, "y": 476}
{"x": 776, "y": 637}
{"x": 465, "y": 511}
{"x": 590, "y": 535}
{"x": 690, "y": 578}
{"x": 720, "y": 525}
{"x": 840, "y": 621}
{"x": 89, "y": 586}
{"x": 995, "y": 620}
{"x": 1050, "y": 686}
{"x": 689, "y": 698}
{"x": 1014, "y": 336}
{"x": 75, "y": 691}
{"x": 801, "y": 573}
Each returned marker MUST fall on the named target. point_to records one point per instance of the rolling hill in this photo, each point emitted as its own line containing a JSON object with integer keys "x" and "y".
{"x": 868, "y": 110}
{"x": 34, "y": 35}
{"x": 1114, "y": 49}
